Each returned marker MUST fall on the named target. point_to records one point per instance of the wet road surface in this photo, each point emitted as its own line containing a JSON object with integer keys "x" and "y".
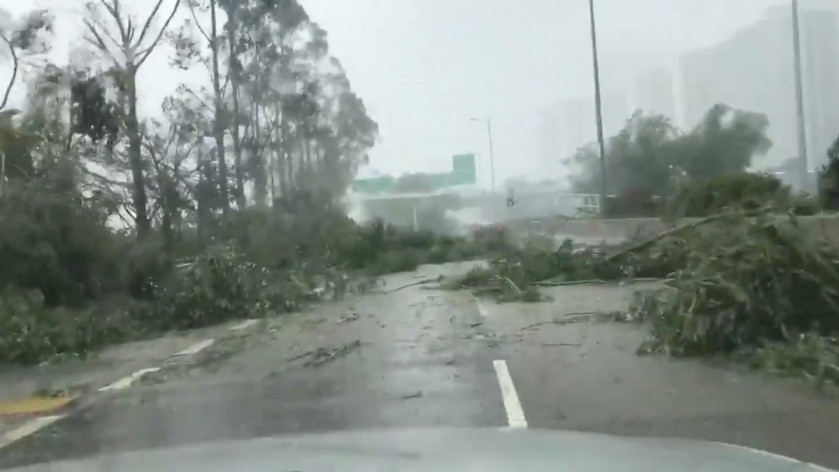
{"x": 418, "y": 357}
{"x": 413, "y": 358}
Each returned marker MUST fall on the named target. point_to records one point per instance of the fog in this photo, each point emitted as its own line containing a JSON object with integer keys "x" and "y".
{"x": 424, "y": 68}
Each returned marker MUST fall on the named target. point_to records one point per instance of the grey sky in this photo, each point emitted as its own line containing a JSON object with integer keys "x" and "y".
{"x": 425, "y": 67}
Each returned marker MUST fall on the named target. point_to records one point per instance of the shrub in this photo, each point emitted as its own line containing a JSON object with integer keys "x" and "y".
{"x": 744, "y": 282}
{"x": 32, "y": 332}
{"x": 54, "y": 240}
{"x": 221, "y": 285}
{"x": 698, "y": 198}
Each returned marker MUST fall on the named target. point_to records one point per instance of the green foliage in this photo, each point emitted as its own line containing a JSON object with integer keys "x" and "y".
{"x": 811, "y": 356}
{"x": 650, "y": 156}
{"x": 55, "y": 240}
{"x": 829, "y": 178}
{"x": 696, "y": 198}
{"x": 378, "y": 248}
{"x": 744, "y": 282}
{"x": 32, "y": 332}
{"x": 220, "y": 285}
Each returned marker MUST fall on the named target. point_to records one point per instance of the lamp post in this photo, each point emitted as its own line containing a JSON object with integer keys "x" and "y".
{"x": 488, "y": 123}
{"x": 598, "y": 109}
{"x": 799, "y": 99}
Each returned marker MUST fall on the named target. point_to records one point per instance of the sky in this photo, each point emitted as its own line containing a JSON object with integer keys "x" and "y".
{"x": 425, "y": 68}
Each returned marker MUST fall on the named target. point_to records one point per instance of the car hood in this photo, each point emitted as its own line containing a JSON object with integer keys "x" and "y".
{"x": 459, "y": 450}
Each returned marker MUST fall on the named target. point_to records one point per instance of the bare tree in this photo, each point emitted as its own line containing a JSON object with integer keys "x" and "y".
{"x": 220, "y": 122}
{"x": 127, "y": 48}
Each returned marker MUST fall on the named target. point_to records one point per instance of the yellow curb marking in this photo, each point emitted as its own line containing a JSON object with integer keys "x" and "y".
{"x": 34, "y": 405}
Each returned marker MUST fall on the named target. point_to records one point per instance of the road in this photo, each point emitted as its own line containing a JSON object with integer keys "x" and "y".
{"x": 420, "y": 357}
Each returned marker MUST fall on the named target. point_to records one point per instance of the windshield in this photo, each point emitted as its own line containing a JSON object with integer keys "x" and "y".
{"x": 228, "y": 220}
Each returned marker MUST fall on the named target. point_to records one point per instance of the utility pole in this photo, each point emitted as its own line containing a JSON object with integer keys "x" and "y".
{"x": 491, "y": 161}
{"x": 799, "y": 100}
{"x": 598, "y": 110}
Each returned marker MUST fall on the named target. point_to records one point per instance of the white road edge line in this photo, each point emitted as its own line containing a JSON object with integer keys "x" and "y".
{"x": 515, "y": 414}
{"x": 196, "y": 348}
{"x": 126, "y": 382}
{"x": 244, "y": 325}
{"x": 30, "y": 427}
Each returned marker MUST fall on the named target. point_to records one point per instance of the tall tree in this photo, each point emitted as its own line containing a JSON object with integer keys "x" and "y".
{"x": 234, "y": 73}
{"x": 221, "y": 120}
{"x": 649, "y": 152}
{"x": 127, "y": 47}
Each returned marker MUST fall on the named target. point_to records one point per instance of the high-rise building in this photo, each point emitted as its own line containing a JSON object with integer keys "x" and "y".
{"x": 653, "y": 92}
{"x": 571, "y": 124}
{"x": 754, "y": 70}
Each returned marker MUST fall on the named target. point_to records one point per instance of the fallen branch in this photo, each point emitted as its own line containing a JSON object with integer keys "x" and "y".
{"x": 512, "y": 285}
{"x": 553, "y": 283}
{"x": 708, "y": 219}
{"x": 562, "y": 321}
{"x": 300, "y": 356}
{"x": 322, "y": 356}
{"x": 414, "y": 284}
{"x": 562, "y": 345}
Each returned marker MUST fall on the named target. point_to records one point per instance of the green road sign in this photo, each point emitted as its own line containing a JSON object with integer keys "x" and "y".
{"x": 464, "y": 170}
{"x": 463, "y": 173}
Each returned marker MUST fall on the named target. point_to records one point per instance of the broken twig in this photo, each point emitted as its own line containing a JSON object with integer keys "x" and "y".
{"x": 556, "y": 283}
{"x": 708, "y": 219}
{"x": 568, "y": 319}
{"x": 413, "y": 284}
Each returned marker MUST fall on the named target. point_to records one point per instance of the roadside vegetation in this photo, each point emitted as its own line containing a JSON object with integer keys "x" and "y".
{"x": 742, "y": 278}
{"x": 226, "y": 204}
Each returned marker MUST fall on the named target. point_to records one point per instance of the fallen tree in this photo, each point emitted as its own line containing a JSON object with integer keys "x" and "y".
{"x": 751, "y": 284}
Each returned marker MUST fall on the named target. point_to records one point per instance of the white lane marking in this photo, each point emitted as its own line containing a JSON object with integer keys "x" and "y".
{"x": 481, "y": 310}
{"x": 126, "y": 382}
{"x": 244, "y": 325}
{"x": 777, "y": 457}
{"x": 196, "y": 348}
{"x": 30, "y": 427}
{"x": 515, "y": 415}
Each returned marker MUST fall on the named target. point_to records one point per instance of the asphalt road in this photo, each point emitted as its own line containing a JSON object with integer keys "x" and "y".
{"x": 423, "y": 358}
{"x": 410, "y": 358}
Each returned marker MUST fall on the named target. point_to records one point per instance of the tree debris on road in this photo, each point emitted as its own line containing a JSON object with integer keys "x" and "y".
{"x": 738, "y": 282}
{"x": 321, "y": 356}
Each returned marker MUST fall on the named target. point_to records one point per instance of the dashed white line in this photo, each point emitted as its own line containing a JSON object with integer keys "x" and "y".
{"x": 30, "y": 427}
{"x": 126, "y": 382}
{"x": 196, "y": 348}
{"x": 244, "y": 325}
{"x": 515, "y": 414}
{"x": 36, "y": 424}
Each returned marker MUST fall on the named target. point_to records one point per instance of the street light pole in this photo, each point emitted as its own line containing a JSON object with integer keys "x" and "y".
{"x": 799, "y": 99}
{"x": 598, "y": 109}
{"x": 491, "y": 160}
{"x": 491, "y": 156}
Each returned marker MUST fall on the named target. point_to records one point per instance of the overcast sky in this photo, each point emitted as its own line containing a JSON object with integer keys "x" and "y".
{"x": 425, "y": 67}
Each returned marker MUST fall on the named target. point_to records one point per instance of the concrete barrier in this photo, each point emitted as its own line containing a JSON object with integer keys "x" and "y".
{"x": 617, "y": 230}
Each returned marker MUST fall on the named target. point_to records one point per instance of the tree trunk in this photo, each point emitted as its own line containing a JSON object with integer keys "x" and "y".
{"x": 260, "y": 178}
{"x": 233, "y": 72}
{"x": 218, "y": 124}
{"x": 135, "y": 158}
{"x": 288, "y": 162}
{"x": 202, "y": 202}
{"x": 279, "y": 156}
